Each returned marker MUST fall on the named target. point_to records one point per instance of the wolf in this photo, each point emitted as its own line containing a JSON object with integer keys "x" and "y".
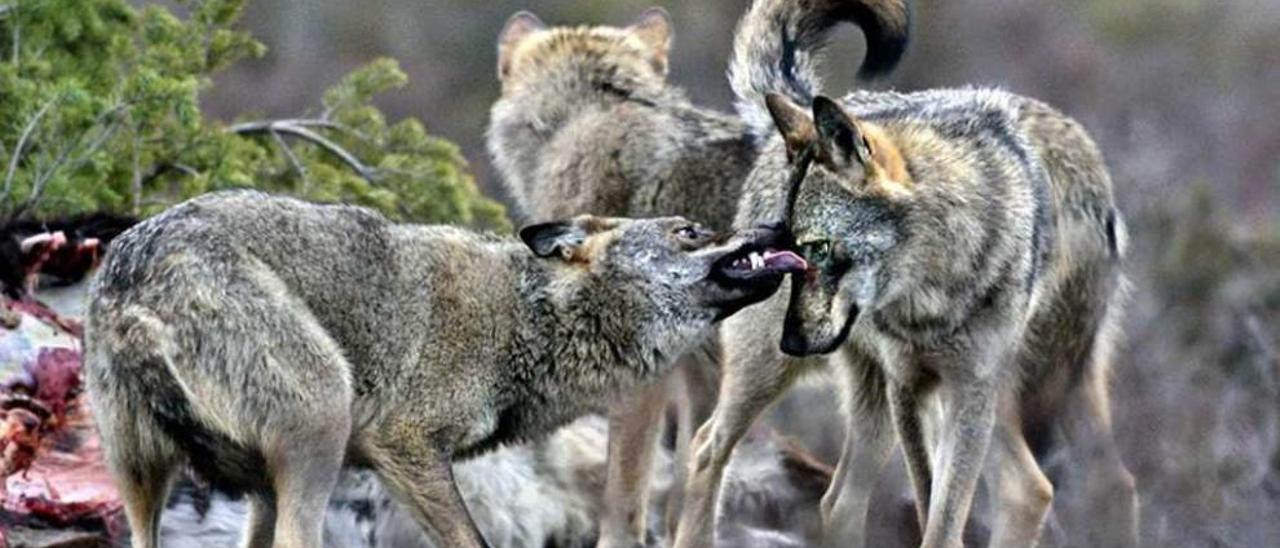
{"x": 588, "y": 123}
{"x": 965, "y": 289}
{"x": 267, "y": 342}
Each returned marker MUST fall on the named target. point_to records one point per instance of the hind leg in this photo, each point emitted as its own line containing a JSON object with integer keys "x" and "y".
{"x": 1023, "y": 494}
{"x": 304, "y": 447}
{"x": 261, "y": 529}
{"x": 144, "y": 489}
{"x": 142, "y": 462}
{"x": 1110, "y": 486}
{"x": 303, "y": 479}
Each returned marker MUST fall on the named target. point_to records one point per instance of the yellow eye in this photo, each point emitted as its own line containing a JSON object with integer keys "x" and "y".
{"x": 818, "y": 250}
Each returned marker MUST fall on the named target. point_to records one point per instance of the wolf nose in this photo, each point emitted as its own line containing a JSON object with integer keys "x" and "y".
{"x": 794, "y": 343}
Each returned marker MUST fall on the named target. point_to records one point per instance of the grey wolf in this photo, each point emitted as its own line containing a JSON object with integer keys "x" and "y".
{"x": 267, "y": 342}
{"x": 588, "y": 123}
{"x": 965, "y": 290}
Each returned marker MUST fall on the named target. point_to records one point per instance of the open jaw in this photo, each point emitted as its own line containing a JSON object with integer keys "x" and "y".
{"x": 754, "y": 261}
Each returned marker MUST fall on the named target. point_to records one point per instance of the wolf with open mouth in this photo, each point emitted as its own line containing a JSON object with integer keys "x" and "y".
{"x": 268, "y": 342}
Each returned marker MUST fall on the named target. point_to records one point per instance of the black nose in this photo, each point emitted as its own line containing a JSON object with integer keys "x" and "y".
{"x": 794, "y": 343}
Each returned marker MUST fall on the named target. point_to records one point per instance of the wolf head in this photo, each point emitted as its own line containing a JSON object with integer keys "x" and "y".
{"x": 668, "y": 266}
{"x": 850, "y": 194}
{"x": 565, "y": 60}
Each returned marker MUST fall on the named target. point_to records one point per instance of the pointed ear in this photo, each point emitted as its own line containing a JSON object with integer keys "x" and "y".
{"x": 792, "y": 122}
{"x": 519, "y": 26}
{"x": 653, "y": 27}
{"x": 841, "y": 142}
{"x": 554, "y": 239}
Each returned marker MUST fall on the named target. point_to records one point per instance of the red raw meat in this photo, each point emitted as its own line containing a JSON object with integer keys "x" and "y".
{"x": 51, "y": 468}
{"x": 68, "y": 483}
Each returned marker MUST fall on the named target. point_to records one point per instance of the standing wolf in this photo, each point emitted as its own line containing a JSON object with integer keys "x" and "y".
{"x": 966, "y": 256}
{"x": 267, "y": 342}
{"x": 587, "y": 123}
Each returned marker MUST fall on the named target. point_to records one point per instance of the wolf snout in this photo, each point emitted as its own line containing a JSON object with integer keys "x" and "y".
{"x": 761, "y": 252}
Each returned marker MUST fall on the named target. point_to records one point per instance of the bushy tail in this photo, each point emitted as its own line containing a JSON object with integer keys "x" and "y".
{"x": 776, "y": 40}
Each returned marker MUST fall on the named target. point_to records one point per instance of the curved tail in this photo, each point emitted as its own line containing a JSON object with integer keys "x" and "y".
{"x": 776, "y": 40}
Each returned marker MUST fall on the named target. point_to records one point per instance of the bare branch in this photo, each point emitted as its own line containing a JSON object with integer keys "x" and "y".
{"x": 329, "y": 124}
{"x": 17, "y": 150}
{"x": 45, "y": 175}
{"x": 188, "y": 170}
{"x": 293, "y": 159}
{"x": 291, "y": 127}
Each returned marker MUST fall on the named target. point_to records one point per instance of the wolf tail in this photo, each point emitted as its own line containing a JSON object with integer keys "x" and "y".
{"x": 776, "y": 40}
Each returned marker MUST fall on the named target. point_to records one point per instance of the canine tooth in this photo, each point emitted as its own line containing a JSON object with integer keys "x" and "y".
{"x": 757, "y": 262}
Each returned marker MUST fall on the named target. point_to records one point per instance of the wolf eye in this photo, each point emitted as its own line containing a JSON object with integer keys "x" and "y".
{"x": 688, "y": 232}
{"x": 818, "y": 251}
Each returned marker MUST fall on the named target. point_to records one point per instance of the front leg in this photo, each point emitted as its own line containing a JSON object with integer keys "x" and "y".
{"x": 868, "y": 443}
{"x": 755, "y": 373}
{"x": 420, "y": 475}
{"x": 905, "y": 409}
{"x": 633, "y": 431}
{"x": 970, "y": 410}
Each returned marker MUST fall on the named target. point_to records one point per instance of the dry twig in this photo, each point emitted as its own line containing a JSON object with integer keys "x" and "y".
{"x": 301, "y": 128}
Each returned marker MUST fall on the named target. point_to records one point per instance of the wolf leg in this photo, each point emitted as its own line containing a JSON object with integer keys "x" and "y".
{"x": 755, "y": 374}
{"x": 1111, "y": 488}
{"x": 422, "y": 479}
{"x": 304, "y": 474}
{"x": 261, "y": 529}
{"x": 1022, "y": 493}
{"x": 904, "y": 408}
{"x": 144, "y": 489}
{"x": 697, "y": 379}
{"x": 142, "y": 461}
{"x": 633, "y": 432}
{"x": 867, "y": 445}
{"x": 968, "y": 420}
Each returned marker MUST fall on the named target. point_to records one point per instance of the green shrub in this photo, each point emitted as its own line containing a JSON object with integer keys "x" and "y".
{"x": 100, "y": 109}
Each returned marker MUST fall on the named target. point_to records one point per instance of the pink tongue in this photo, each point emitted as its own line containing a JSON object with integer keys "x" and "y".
{"x": 784, "y": 260}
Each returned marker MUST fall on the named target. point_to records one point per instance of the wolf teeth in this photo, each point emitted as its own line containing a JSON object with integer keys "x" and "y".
{"x": 757, "y": 262}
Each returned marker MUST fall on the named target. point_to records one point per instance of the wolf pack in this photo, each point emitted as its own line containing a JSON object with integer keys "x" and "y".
{"x": 950, "y": 261}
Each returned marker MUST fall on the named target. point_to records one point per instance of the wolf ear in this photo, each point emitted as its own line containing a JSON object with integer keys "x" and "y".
{"x": 840, "y": 140}
{"x": 519, "y": 26}
{"x": 555, "y": 239}
{"x": 653, "y": 27}
{"x": 793, "y": 123}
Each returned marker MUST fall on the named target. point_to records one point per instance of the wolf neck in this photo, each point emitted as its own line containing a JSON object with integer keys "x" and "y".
{"x": 581, "y": 345}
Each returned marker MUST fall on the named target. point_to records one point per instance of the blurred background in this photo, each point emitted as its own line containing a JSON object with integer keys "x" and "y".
{"x": 1182, "y": 95}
